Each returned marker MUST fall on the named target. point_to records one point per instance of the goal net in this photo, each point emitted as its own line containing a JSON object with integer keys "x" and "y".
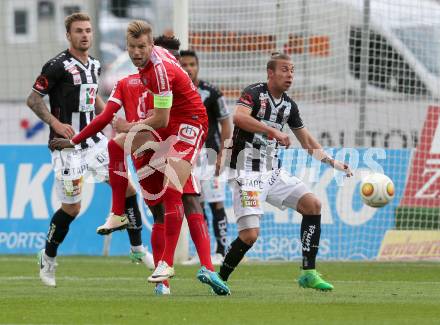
{"x": 367, "y": 83}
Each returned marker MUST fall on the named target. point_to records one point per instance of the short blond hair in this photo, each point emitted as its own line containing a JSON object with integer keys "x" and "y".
{"x": 136, "y": 28}
{"x": 276, "y": 56}
{"x": 77, "y": 16}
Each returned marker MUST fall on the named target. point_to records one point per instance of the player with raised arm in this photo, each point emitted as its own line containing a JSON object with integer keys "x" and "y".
{"x": 261, "y": 112}
{"x": 213, "y": 188}
{"x": 71, "y": 81}
{"x": 183, "y": 139}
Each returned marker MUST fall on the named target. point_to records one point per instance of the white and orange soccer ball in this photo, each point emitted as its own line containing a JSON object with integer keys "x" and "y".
{"x": 377, "y": 190}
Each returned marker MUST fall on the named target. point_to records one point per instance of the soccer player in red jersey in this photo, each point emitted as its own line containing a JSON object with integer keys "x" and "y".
{"x": 179, "y": 118}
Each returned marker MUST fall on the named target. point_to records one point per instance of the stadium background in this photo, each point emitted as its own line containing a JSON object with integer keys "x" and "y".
{"x": 367, "y": 82}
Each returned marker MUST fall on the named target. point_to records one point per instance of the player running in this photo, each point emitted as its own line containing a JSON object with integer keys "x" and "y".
{"x": 213, "y": 187}
{"x": 261, "y": 112}
{"x": 71, "y": 81}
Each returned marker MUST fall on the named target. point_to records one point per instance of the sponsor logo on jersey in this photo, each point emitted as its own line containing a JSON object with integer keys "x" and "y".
{"x": 263, "y": 105}
{"x": 250, "y": 199}
{"x": 135, "y": 82}
{"x": 247, "y": 99}
{"x": 42, "y": 83}
{"x": 188, "y": 133}
{"x": 160, "y": 73}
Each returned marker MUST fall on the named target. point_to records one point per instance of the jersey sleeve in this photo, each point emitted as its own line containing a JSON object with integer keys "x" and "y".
{"x": 249, "y": 99}
{"x": 295, "y": 121}
{"x": 48, "y": 78}
{"x": 117, "y": 94}
{"x": 163, "y": 96}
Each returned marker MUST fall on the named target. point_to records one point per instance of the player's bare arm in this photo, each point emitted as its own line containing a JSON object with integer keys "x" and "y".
{"x": 225, "y": 134}
{"x": 313, "y": 147}
{"x": 244, "y": 120}
{"x": 100, "y": 105}
{"x": 36, "y": 103}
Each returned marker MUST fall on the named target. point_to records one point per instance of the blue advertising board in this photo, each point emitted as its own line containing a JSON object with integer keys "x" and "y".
{"x": 350, "y": 230}
{"x": 28, "y": 201}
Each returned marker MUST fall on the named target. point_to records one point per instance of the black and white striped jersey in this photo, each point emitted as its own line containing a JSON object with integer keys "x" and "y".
{"x": 217, "y": 110}
{"x": 254, "y": 151}
{"x": 72, "y": 88}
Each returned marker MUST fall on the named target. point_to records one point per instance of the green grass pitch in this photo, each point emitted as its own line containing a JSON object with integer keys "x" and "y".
{"x": 111, "y": 290}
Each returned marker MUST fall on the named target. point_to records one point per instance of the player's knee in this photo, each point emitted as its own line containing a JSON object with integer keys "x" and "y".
{"x": 216, "y": 205}
{"x": 249, "y": 236}
{"x": 71, "y": 209}
{"x": 313, "y": 207}
{"x": 249, "y": 228}
{"x": 191, "y": 204}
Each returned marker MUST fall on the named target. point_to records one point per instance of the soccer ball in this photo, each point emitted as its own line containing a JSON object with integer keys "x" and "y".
{"x": 377, "y": 190}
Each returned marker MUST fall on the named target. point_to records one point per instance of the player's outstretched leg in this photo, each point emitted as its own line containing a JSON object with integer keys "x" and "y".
{"x": 138, "y": 253}
{"x": 118, "y": 180}
{"x": 212, "y": 279}
{"x": 312, "y": 279}
{"x": 200, "y": 236}
{"x": 220, "y": 226}
{"x": 158, "y": 245}
{"x": 173, "y": 216}
{"x": 310, "y": 234}
{"x": 47, "y": 268}
{"x": 58, "y": 229}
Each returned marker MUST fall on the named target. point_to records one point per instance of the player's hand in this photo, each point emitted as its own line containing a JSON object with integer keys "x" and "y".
{"x": 64, "y": 130}
{"x": 120, "y": 125}
{"x": 343, "y": 167}
{"x": 60, "y": 144}
{"x": 281, "y": 137}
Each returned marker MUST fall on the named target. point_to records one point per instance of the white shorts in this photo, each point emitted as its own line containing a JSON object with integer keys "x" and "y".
{"x": 251, "y": 189}
{"x": 213, "y": 190}
{"x": 74, "y": 167}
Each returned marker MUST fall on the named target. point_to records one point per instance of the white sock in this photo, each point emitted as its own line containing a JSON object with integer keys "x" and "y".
{"x": 48, "y": 258}
{"x": 137, "y": 249}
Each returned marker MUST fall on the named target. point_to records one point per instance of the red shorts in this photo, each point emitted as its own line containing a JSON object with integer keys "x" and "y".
{"x": 183, "y": 141}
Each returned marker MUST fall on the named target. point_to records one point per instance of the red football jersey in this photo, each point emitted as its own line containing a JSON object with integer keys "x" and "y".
{"x": 130, "y": 93}
{"x": 163, "y": 76}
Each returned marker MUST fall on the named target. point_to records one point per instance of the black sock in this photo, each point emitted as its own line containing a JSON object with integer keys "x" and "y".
{"x": 220, "y": 225}
{"x": 135, "y": 221}
{"x": 310, "y": 234}
{"x": 235, "y": 254}
{"x": 58, "y": 229}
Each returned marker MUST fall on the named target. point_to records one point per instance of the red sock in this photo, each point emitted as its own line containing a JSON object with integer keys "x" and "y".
{"x": 118, "y": 178}
{"x": 173, "y": 222}
{"x": 200, "y": 237}
{"x": 158, "y": 244}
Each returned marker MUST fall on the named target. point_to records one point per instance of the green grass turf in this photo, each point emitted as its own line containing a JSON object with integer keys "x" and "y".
{"x": 100, "y": 290}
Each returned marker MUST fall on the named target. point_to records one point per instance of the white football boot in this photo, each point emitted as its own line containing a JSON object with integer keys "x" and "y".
{"x": 47, "y": 269}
